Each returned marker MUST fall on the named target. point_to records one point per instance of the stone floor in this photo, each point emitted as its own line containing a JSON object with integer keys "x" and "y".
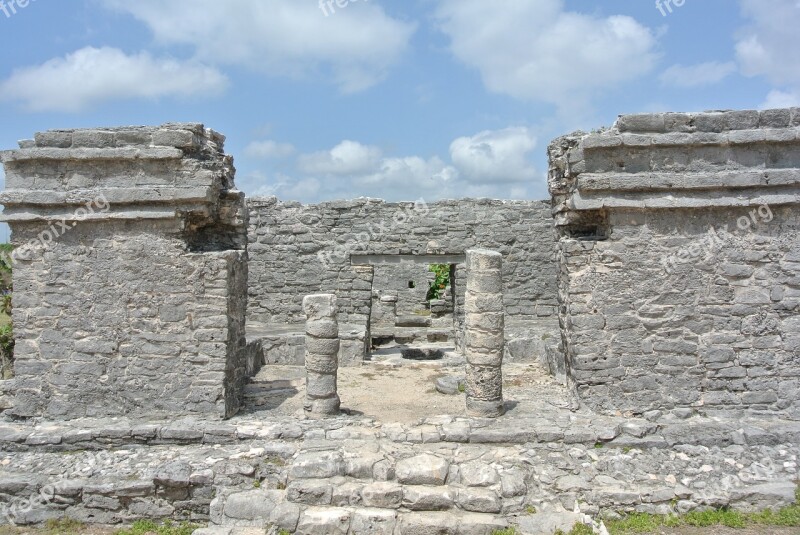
{"x": 402, "y": 459}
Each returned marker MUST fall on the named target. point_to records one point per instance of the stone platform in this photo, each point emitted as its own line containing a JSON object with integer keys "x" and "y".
{"x": 353, "y": 474}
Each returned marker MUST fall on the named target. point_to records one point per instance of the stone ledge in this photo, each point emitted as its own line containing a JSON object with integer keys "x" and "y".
{"x": 147, "y": 194}
{"x": 670, "y": 200}
{"x": 622, "y": 182}
{"x": 86, "y": 154}
{"x": 587, "y": 430}
{"x": 712, "y": 121}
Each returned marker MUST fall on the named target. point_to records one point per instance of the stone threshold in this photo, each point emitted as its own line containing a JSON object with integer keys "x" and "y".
{"x": 563, "y": 427}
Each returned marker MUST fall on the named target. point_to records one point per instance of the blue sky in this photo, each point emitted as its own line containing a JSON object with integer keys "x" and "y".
{"x": 397, "y": 99}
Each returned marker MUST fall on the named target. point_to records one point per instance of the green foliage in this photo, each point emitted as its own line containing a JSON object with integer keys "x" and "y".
{"x": 64, "y": 526}
{"x": 646, "y": 523}
{"x": 142, "y": 527}
{"x": 581, "y": 529}
{"x": 6, "y": 350}
{"x": 507, "y": 531}
{"x": 440, "y": 283}
{"x": 284, "y": 532}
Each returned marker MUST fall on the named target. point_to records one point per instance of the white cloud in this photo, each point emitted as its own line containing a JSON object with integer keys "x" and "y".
{"x": 91, "y": 75}
{"x": 346, "y": 158}
{"x": 269, "y": 149}
{"x": 492, "y": 163}
{"x": 495, "y": 156}
{"x": 699, "y": 75}
{"x": 768, "y": 47}
{"x": 356, "y": 45}
{"x": 781, "y": 99}
{"x": 536, "y": 50}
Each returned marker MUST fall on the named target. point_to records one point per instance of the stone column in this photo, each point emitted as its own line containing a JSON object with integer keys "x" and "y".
{"x": 484, "y": 333}
{"x": 322, "y": 355}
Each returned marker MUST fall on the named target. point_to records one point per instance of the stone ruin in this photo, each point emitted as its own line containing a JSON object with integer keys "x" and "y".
{"x": 656, "y": 295}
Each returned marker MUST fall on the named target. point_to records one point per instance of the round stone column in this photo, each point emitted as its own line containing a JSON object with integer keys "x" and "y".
{"x": 484, "y": 340}
{"x": 322, "y": 355}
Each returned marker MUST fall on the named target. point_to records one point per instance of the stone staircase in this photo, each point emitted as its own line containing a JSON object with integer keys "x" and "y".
{"x": 357, "y": 491}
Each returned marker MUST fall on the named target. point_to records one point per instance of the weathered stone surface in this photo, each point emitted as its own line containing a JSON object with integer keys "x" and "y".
{"x": 255, "y": 505}
{"x": 382, "y": 494}
{"x": 478, "y": 474}
{"x": 423, "y": 498}
{"x": 479, "y": 500}
{"x": 423, "y": 469}
{"x": 373, "y": 522}
{"x": 333, "y": 521}
{"x": 322, "y": 355}
{"x": 548, "y": 523}
{"x": 426, "y": 524}
{"x": 170, "y": 225}
{"x": 714, "y": 236}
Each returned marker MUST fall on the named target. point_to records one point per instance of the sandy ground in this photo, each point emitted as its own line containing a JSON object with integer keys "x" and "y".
{"x": 403, "y": 394}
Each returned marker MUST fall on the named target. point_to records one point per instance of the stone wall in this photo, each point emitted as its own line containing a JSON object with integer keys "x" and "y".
{"x": 297, "y": 250}
{"x": 679, "y": 262}
{"x": 130, "y": 273}
{"x": 396, "y": 279}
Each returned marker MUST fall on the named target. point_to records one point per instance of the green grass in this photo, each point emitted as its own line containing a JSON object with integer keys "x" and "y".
{"x": 646, "y": 523}
{"x": 64, "y": 525}
{"x": 142, "y": 527}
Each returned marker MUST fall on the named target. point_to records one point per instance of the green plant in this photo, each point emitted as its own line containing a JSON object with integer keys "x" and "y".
{"x": 440, "y": 283}
{"x": 462, "y": 388}
{"x": 507, "y": 531}
{"x": 6, "y": 350}
{"x": 284, "y": 532}
{"x": 598, "y": 445}
{"x": 531, "y": 510}
{"x": 149, "y": 527}
{"x": 647, "y": 523}
{"x": 256, "y": 484}
{"x": 64, "y": 525}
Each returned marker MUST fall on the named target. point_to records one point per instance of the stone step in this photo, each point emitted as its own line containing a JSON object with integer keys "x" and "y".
{"x": 413, "y": 320}
{"x": 365, "y": 521}
{"x": 343, "y": 492}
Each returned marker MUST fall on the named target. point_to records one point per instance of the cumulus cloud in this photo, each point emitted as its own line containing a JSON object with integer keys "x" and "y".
{"x": 91, "y": 75}
{"x": 269, "y": 149}
{"x": 702, "y": 74}
{"x": 346, "y": 158}
{"x": 768, "y": 47}
{"x": 493, "y": 163}
{"x": 495, "y": 156}
{"x": 537, "y": 50}
{"x": 355, "y": 46}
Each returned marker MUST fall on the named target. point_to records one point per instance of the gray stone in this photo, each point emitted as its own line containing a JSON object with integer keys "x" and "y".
{"x": 173, "y": 474}
{"x": 332, "y": 521}
{"x": 423, "y": 498}
{"x": 383, "y": 495}
{"x": 422, "y": 469}
{"x": 548, "y": 523}
{"x": 373, "y": 522}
